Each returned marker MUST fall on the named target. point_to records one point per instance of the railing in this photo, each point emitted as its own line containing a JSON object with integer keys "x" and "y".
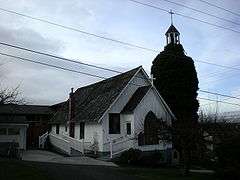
{"x": 118, "y": 145}
{"x": 60, "y": 143}
{"x": 67, "y": 143}
{"x": 121, "y": 144}
{"x": 42, "y": 139}
{"x": 79, "y": 145}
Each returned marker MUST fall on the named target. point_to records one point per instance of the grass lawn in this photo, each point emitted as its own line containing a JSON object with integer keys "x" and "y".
{"x": 165, "y": 174}
{"x": 16, "y": 170}
{"x": 20, "y": 170}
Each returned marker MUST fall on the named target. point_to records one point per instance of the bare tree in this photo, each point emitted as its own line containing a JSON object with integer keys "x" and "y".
{"x": 10, "y": 95}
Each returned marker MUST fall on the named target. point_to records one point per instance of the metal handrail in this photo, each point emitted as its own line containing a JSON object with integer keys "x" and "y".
{"x": 42, "y": 139}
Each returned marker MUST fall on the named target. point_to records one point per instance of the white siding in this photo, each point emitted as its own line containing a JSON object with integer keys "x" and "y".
{"x": 137, "y": 81}
{"x": 127, "y": 118}
{"x": 21, "y": 138}
{"x": 77, "y": 131}
{"x": 90, "y": 130}
{"x": 53, "y": 129}
{"x": 62, "y": 129}
{"x": 93, "y": 130}
{"x": 151, "y": 102}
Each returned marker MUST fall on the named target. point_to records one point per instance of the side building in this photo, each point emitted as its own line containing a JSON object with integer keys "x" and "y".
{"x": 23, "y": 124}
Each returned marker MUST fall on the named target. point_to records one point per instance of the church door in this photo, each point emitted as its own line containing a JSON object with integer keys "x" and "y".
{"x": 151, "y": 128}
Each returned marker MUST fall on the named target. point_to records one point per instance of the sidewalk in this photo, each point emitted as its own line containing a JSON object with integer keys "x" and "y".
{"x": 46, "y": 156}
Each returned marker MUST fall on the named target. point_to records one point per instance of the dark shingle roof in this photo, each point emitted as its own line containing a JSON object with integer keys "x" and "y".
{"x": 13, "y": 119}
{"x": 172, "y": 29}
{"x": 135, "y": 99}
{"x": 24, "y": 109}
{"x": 92, "y": 101}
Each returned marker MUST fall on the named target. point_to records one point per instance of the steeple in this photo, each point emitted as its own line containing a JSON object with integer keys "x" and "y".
{"x": 172, "y": 34}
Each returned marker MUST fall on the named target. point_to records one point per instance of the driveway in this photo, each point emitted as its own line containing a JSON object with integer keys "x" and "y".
{"x": 50, "y": 157}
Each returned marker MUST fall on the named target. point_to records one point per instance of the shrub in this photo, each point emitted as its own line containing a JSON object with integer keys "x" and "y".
{"x": 152, "y": 159}
{"x": 228, "y": 158}
{"x": 131, "y": 157}
{"x": 139, "y": 158}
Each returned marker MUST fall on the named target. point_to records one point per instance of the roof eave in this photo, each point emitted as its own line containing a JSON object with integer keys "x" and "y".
{"x": 100, "y": 119}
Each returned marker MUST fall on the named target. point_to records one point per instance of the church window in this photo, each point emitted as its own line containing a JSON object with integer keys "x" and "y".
{"x": 128, "y": 128}
{"x": 3, "y": 131}
{"x": 57, "y": 128}
{"x": 82, "y": 125}
{"x": 13, "y": 131}
{"x": 114, "y": 123}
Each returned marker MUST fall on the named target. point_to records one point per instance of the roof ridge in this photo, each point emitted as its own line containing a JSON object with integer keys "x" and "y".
{"x": 108, "y": 79}
{"x": 92, "y": 101}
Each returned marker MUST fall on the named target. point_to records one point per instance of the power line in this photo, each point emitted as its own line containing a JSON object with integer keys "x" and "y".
{"x": 59, "y": 67}
{"x": 212, "y": 103}
{"x": 219, "y": 7}
{"x": 57, "y": 57}
{"x": 50, "y": 65}
{"x": 99, "y": 67}
{"x": 88, "y": 74}
{"x": 62, "y": 58}
{"x": 185, "y": 16}
{"x": 149, "y": 5}
{"x": 215, "y": 80}
{"x": 202, "y": 12}
{"x": 218, "y": 101}
{"x": 224, "y": 95}
{"x": 78, "y": 30}
{"x": 219, "y": 65}
{"x": 90, "y": 65}
{"x": 65, "y": 59}
{"x": 106, "y": 38}
{"x": 111, "y": 39}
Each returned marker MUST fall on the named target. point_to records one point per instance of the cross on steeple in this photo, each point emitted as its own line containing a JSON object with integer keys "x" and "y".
{"x": 172, "y": 34}
{"x": 171, "y": 14}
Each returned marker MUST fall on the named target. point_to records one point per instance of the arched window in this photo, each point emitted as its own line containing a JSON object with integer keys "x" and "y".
{"x": 151, "y": 126}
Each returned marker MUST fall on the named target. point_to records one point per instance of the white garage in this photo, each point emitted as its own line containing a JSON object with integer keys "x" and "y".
{"x": 11, "y": 132}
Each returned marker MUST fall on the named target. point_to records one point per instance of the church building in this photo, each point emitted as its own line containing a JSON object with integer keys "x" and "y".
{"x": 111, "y": 116}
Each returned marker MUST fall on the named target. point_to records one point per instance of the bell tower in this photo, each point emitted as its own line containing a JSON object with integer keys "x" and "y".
{"x": 172, "y": 34}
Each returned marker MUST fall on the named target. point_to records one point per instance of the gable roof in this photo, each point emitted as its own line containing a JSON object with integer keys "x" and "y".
{"x": 14, "y": 109}
{"x": 92, "y": 101}
{"x": 172, "y": 28}
{"x": 13, "y": 119}
{"x": 136, "y": 99}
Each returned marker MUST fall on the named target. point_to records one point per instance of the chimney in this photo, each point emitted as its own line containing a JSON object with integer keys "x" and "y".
{"x": 71, "y": 113}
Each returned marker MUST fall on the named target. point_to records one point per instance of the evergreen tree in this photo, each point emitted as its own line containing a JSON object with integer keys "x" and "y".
{"x": 177, "y": 82}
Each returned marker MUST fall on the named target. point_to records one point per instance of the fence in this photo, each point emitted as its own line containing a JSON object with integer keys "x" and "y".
{"x": 42, "y": 139}
{"x": 67, "y": 143}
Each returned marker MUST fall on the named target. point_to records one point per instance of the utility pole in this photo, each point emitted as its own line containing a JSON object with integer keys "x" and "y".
{"x": 216, "y": 117}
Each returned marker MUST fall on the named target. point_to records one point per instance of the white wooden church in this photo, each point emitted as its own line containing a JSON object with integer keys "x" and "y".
{"x": 111, "y": 116}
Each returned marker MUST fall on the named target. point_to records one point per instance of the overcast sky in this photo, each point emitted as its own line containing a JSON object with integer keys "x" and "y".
{"x": 122, "y": 20}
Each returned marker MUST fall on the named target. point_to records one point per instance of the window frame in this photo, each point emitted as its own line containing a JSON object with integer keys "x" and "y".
{"x": 129, "y": 125}
{"x": 66, "y": 127}
{"x": 5, "y": 129}
{"x": 57, "y": 128}
{"x": 111, "y": 118}
{"x": 13, "y": 131}
{"x": 82, "y": 130}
